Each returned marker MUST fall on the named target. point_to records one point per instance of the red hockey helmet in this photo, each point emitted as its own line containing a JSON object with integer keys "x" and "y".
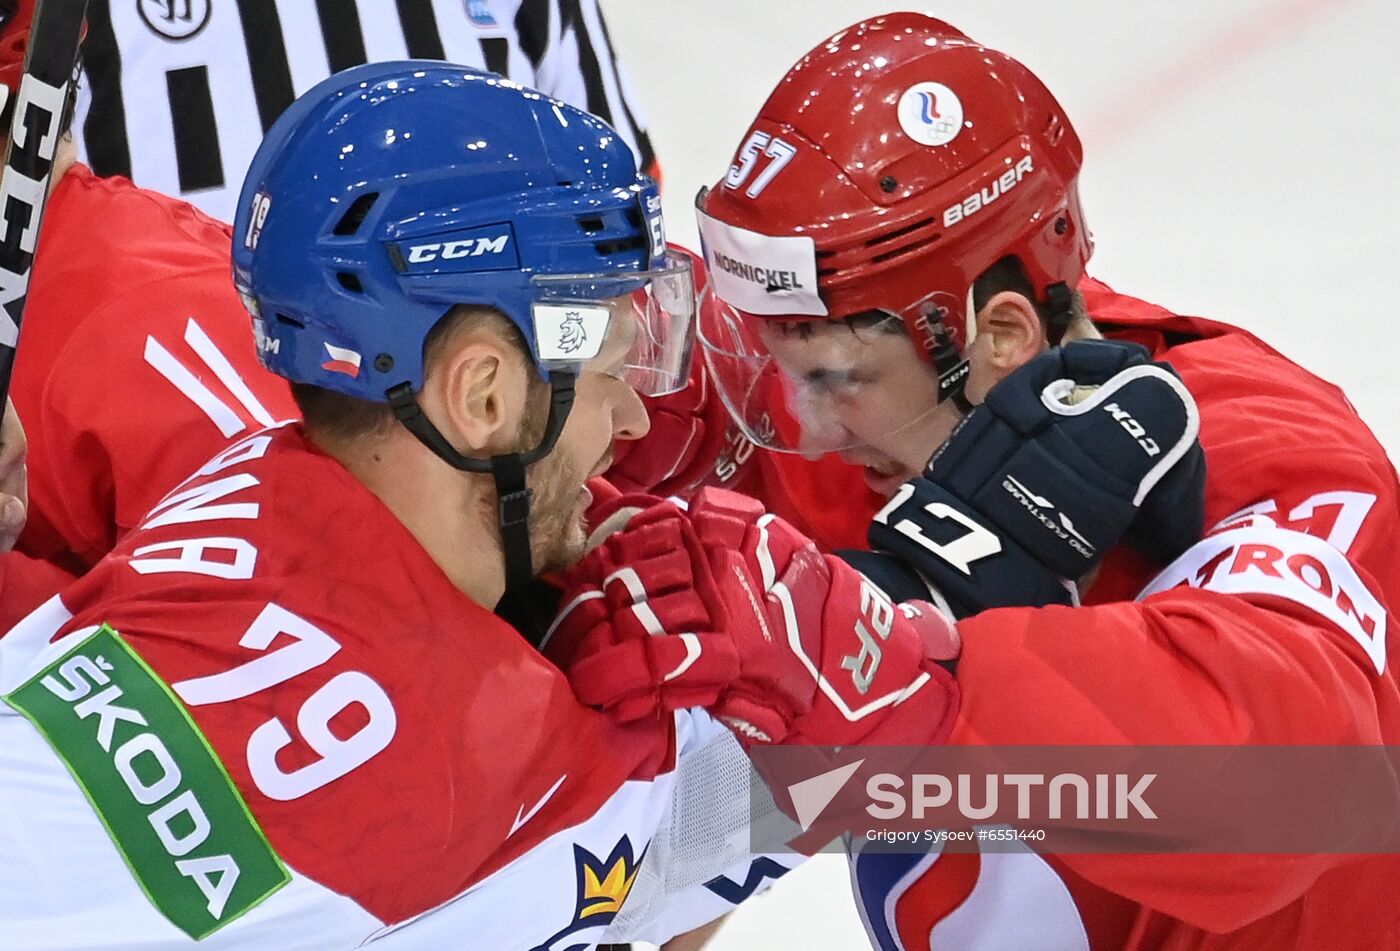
{"x": 892, "y": 166}
{"x": 15, "y": 19}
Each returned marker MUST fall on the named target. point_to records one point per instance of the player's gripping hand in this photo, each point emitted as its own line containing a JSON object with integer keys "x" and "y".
{"x": 1041, "y": 480}
{"x": 824, "y": 656}
{"x": 643, "y": 627}
{"x": 730, "y": 608}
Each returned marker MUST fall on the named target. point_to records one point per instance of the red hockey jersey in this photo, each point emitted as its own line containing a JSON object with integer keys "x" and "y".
{"x": 136, "y": 362}
{"x": 1273, "y": 630}
{"x": 414, "y": 770}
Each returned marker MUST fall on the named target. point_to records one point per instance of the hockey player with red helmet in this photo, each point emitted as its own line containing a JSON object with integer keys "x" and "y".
{"x": 895, "y": 247}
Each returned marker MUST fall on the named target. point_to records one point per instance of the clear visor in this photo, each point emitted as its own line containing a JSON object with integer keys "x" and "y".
{"x": 819, "y": 386}
{"x": 638, "y": 325}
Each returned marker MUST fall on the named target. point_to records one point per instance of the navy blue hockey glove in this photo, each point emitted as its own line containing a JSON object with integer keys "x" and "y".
{"x": 1084, "y": 446}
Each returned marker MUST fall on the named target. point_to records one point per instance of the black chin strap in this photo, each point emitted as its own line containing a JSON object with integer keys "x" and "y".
{"x": 1061, "y": 304}
{"x": 952, "y": 368}
{"x": 508, "y": 472}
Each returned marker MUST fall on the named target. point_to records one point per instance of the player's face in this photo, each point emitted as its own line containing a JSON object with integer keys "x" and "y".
{"x": 864, "y": 394}
{"x": 605, "y": 409}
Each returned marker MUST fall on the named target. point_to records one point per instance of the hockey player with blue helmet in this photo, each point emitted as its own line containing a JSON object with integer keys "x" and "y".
{"x": 355, "y": 238}
{"x": 283, "y": 711}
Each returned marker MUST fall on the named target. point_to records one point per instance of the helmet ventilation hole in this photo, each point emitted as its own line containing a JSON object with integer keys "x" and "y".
{"x": 355, "y": 215}
{"x": 609, "y": 248}
{"x": 591, "y": 225}
{"x": 350, "y": 282}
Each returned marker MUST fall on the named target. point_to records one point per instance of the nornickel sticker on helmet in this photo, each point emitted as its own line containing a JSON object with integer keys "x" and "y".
{"x": 930, "y": 114}
{"x": 760, "y": 273}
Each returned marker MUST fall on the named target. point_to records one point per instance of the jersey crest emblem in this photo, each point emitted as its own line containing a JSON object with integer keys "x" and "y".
{"x": 603, "y": 886}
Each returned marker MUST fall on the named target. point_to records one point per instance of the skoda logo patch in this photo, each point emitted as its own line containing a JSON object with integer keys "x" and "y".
{"x": 175, "y": 19}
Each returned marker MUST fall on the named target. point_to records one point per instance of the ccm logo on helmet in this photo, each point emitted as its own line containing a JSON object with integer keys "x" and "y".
{"x": 484, "y": 248}
{"x": 980, "y": 199}
{"x": 452, "y": 250}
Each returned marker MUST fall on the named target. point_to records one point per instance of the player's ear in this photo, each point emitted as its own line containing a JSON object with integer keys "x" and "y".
{"x": 479, "y": 388}
{"x": 1009, "y": 335}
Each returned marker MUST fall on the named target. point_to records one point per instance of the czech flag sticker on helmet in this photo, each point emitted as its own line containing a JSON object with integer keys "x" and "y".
{"x": 342, "y": 361}
{"x": 930, "y": 114}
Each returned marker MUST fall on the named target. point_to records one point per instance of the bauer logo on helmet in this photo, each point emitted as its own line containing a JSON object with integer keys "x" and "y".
{"x": 984, "y": 196}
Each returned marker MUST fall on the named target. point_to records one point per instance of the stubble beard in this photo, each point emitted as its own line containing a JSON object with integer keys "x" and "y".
{"x": 558, "y": 533}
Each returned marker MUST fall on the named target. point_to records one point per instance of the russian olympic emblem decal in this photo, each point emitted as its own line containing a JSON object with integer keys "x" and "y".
{"x": 930, "y": 114}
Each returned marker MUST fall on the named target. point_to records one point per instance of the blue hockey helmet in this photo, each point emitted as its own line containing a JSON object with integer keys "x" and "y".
{"x": 392, "y": 192}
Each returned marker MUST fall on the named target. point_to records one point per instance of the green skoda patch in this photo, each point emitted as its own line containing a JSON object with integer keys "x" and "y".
{"x": 165, "y": 798}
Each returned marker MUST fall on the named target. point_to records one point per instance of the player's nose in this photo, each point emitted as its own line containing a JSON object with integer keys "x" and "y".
{"x": 629, "y": 417}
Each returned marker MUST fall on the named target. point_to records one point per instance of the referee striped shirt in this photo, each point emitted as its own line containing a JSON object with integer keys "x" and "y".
{"x": 178, "y": 93}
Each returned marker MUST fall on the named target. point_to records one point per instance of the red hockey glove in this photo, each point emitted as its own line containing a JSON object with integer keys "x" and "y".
{"x": 639, "y": 631}
{"x": 683, "y": 446}
{"x": 824, "y": 656}
{"x": 733, "y": 609}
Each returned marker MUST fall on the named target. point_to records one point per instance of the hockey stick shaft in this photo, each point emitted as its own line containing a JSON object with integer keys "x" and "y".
{"x": 35, "y": 130}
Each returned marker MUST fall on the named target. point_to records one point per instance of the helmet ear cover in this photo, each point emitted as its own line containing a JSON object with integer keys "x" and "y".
{"x": 948, "y": 158}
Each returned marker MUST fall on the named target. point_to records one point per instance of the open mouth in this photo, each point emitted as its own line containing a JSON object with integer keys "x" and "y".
{"x": 884, "y": 479}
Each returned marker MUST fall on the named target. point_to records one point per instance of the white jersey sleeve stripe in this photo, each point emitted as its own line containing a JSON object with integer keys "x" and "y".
{"x": 187, "y": 383}
{"x": 214, "y": 359}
